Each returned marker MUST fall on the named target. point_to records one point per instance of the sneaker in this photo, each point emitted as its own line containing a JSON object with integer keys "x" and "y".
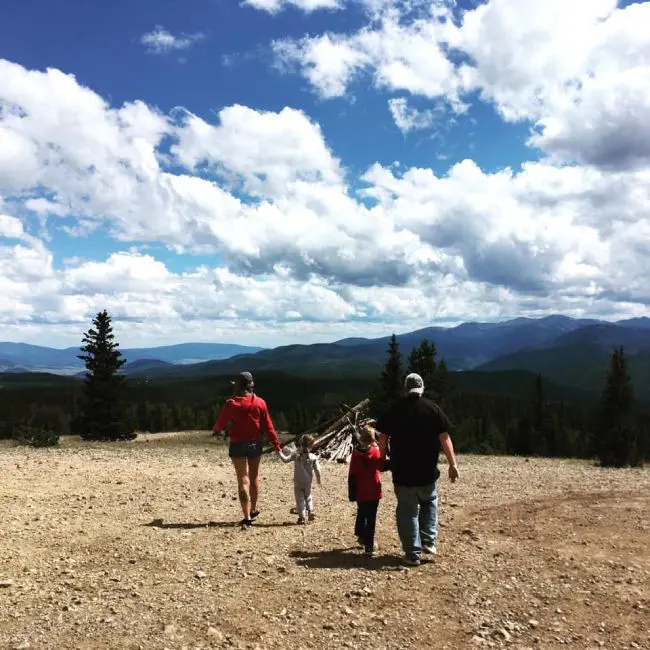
{"x": 312, "y": 516}
{"x": 245, "y": 523}
{"x": 411, "y": 560}
{"x": 370, "y": 552}
{"x": 430, "y": 549}
{"x": 255, "y": 514}
{"x": 301, "y": 520}
{"x": 360, "y": 542}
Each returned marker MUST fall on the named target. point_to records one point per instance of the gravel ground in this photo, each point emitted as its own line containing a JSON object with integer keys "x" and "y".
{"x": 134, "y": 545}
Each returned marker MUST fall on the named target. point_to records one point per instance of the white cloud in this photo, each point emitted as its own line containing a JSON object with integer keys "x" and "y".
{"x": 579, "y": 72}
{"x": 308, "y": 6}
{"x": 402, "y": 57}
{"x": 265, "y": 151}
{"x": 407, "y": 118}
{"x": 328, "y": 62}
{"x": 10, "y": 227}
{"x": 160, "y": 41}
{"x": 298, "y": 250}
{"x": 216, "y": 304}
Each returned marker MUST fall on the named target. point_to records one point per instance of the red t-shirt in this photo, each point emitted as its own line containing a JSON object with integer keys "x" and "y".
{"x": 250, "y": 419}
{"x": 365, "y": 467}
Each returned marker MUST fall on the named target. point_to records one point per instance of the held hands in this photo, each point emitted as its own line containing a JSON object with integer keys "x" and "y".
{"x": 453, "y": 473}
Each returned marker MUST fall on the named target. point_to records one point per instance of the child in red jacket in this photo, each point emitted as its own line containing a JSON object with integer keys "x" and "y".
{"x": 364, "y": 487}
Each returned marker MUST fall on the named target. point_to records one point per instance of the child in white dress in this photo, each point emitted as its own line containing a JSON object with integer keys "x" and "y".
{"x": 305, "y": 467}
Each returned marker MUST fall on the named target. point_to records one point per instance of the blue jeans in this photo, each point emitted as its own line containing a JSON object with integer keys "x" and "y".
{"x": 417, "y": 517}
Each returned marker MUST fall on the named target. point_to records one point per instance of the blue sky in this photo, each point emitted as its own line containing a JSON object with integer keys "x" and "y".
{"x": 275, "y": 171}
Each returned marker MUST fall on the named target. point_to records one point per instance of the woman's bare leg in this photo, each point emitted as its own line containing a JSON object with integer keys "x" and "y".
{"x": 254, "y": 476}
{"x": 243, "y": 485}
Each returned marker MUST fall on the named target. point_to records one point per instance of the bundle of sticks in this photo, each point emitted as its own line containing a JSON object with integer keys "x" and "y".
{"x": 338, "y": 440}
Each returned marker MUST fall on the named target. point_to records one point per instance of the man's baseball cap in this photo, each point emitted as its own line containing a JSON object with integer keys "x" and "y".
{"x": 414, "y": 384}
{"x": 243, "y": 380}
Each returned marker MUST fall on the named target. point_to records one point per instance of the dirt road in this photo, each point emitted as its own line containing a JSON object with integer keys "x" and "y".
{"x": 539, "y": 554}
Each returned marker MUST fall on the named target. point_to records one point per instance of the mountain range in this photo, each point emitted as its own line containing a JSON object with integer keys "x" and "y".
{"x": 569, "y": 352}
{"x": 21, "y": 357}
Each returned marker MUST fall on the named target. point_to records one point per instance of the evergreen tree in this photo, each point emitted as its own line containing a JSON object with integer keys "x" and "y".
{"x": 616, "y": 442}
{"x": 104, "y": 415}
{"x": 545, "y": 427}
{"x": 392, "y": 376}
{"x": 423, "y": 361}
{"x": 391, "y": 381}
{"x": 443, "y": 381}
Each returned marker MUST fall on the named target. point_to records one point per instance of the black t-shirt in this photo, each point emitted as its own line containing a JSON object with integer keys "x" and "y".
{"x": 413, "y": 425}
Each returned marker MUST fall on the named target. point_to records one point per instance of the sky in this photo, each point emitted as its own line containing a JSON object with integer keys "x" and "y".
{"x": 267, "y": 172}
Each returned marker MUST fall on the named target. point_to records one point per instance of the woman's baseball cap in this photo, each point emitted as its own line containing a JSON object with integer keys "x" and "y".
{"x": 243, "y": 380}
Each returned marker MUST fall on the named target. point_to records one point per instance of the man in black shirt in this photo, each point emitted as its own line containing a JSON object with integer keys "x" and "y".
{"x": 415, "y": 429}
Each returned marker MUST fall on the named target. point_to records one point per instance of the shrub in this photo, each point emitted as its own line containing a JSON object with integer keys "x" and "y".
{"x": 35, "y": 436}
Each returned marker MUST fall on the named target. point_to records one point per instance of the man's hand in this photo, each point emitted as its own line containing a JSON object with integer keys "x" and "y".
{"x": 453, "y": 473}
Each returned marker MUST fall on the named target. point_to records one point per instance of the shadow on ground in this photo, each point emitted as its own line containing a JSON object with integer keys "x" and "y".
{"x": 345, "y": 558}
{"x": 160, "y": 523}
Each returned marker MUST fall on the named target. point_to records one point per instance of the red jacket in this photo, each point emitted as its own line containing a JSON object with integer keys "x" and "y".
{"x": 250, "y": 420}
{"x": 364, "y": 470}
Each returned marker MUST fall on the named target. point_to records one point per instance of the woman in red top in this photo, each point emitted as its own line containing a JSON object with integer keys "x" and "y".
{"x": 250, "y": 419}
{"x": 364, "y": 487}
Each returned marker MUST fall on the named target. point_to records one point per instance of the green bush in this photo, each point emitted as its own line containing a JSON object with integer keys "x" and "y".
{"x": 35, "y": 436}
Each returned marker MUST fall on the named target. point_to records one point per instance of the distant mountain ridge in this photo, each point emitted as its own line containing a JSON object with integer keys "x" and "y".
{"x": 40, "y": 358}
{"x": 471, "y": 346}
{"x": 552, "y": 342}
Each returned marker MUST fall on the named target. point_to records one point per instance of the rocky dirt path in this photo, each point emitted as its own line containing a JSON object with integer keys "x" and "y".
{"x": 539, "y": 554}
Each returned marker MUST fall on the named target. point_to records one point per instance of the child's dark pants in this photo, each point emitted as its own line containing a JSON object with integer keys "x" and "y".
{"x": 364, "y": 527}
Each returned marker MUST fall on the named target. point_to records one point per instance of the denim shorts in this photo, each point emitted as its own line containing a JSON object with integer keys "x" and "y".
{"x": 247, "y": 449}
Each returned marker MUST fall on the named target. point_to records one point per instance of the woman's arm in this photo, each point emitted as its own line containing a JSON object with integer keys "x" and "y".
{"x": 286, "y": 457}
{"x": 223, "y": 419}
{"x": 267, "y": 424}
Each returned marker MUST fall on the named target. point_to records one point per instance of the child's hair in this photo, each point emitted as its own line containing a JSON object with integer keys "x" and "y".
{"x": 305, "y": 442}
{"x": 367, "y": 435}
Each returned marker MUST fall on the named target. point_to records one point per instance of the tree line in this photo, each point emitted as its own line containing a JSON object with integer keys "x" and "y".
{"x": 109, "y": 406}
{"x": 614, "y": 430}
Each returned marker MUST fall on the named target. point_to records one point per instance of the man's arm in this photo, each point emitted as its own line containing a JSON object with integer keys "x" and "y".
{"x": 447, "y": 447}
{"x": 383, "y": 430}
{"x": 382, "y": 440}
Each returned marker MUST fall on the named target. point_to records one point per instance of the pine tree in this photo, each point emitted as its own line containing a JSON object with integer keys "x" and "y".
{"x": 442, "y": 383}
{"x": 423, "y": 361}
{"x": 104, "y": 414}
{"x": 545, "y": 427}
{"x": 391, "y": 381}
{"x": 392, "y": 376}
{"x": 616, "y": 442}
